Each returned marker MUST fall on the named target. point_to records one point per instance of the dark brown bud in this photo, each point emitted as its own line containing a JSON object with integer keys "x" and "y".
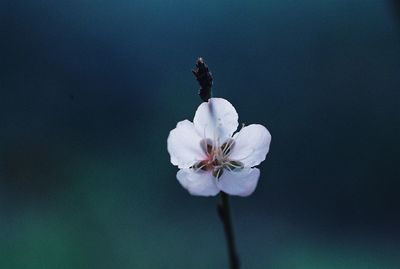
{"x": 204, "y": 78}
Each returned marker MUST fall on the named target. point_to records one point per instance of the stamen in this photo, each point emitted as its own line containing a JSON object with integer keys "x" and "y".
{"x": 215, "y": 140}
{"x": 200, "y": 166}
{"x": 228, "y": 146}
{"x": 206, "y": 145}
{"x": 228, "y": 168}
{"x": 233, "y": 164}
{"x": 218, "y": 173}
{"x": 231, "y": 144}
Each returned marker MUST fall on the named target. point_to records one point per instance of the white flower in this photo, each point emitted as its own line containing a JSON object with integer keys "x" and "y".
{"x": 210, "y": 159}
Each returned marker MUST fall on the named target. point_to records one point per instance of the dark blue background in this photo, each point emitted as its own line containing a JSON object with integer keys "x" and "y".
{"x": 89, "y": 91}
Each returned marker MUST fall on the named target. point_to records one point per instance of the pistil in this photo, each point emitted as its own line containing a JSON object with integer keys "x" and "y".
{"x": 217, "y": 158}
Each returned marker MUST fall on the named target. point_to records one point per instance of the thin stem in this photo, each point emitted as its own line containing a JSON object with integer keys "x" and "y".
{"x": 225, "y": 216}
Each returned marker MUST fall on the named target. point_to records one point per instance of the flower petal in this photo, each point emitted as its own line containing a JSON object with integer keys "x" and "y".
{"x": 184, "y": 145}
{"x": 199, "y": 183}
{"x": 242, "y": 182}
{"x": 216, "y": 118}
{"x": 251, "y": 145}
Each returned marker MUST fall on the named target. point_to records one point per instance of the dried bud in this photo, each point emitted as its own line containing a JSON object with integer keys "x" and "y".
{"x": 204, "y": 78}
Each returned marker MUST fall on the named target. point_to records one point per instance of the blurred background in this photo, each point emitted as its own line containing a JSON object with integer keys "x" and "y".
{"x": 90, "y": 89}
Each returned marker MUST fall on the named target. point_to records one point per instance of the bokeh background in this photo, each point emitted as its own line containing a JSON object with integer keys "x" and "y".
{"x": 90, "y": 89}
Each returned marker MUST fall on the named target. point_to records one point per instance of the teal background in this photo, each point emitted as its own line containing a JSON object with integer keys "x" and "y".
{"x": 89, "y": 91}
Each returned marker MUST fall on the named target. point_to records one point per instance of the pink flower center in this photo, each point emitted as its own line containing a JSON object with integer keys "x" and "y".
{"x": 217, "y": 158}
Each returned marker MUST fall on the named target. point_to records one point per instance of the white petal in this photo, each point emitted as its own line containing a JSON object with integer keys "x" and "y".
{"x": 216, "y": 118}
{"x": 200, "y": 183}
{"x": 184, "y": 145}
{"x": 251, "y": 145}
{"x": 242, "y": 182}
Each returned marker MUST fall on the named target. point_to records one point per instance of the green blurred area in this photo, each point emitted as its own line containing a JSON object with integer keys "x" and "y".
{"x": 89, "y": 91}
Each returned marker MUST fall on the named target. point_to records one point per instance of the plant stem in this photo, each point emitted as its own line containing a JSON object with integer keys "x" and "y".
{"x": 205, "y": 80}
{"x": 225, "y": 216}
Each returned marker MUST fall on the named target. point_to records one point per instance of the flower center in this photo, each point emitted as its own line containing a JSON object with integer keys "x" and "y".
{"x": 217, "y": 158}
